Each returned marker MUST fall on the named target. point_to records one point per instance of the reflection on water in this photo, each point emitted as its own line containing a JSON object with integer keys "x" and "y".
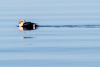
{"x": 26, "y": 37}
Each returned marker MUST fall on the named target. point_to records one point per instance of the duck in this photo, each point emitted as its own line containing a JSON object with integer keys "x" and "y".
{"x": 25, "y": 24}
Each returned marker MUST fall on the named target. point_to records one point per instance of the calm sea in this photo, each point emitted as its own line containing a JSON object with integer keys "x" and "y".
{"x": 72, "y": 38}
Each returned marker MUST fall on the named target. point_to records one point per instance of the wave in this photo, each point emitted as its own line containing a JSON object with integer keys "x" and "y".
{"x": 71, "y": 26}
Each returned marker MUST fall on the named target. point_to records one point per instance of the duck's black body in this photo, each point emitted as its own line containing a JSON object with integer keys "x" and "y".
{"x": 28, "y": 28}
{"x": 29, "y": 25}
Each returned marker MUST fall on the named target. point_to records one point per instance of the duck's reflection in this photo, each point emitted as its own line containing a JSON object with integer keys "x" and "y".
{"x": 27, "y": 28}
{"x": 26, "y": 37}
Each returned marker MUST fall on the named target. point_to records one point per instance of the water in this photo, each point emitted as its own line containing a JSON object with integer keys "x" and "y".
{"x": 54, "y": 43}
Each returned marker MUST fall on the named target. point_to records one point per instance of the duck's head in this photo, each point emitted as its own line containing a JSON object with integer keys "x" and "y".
{"x": 21, "y": 23}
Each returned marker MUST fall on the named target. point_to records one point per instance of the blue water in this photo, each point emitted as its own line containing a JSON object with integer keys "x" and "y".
{"x": 54, "y": 43}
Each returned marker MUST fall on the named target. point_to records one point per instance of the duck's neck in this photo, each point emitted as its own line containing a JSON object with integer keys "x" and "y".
{"x": 20, "y": 25}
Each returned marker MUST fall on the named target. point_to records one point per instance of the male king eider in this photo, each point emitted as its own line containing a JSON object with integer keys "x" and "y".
{"x": 23, "y": 23}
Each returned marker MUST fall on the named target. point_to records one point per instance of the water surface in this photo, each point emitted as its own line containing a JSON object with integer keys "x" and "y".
{"x": 54, "y": 43}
